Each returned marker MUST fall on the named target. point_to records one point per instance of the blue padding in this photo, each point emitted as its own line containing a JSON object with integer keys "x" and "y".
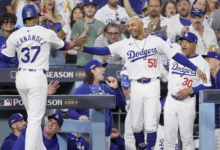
{"x": 76, "y": 126}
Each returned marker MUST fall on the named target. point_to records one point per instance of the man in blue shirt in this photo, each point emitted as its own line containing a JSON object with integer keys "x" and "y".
{"x": 94, "y": 74}
{"x": 17, "y": 123}
{"x": 49, "y": 130}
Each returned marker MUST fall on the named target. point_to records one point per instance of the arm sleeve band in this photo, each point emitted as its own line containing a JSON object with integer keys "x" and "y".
{"x": 198, "y": 88}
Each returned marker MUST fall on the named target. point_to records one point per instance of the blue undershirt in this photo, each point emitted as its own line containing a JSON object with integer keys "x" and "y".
{"x": 185, "y": 22}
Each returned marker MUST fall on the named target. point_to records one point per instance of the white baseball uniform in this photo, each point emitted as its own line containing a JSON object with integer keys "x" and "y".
{"x": 129, "y": 135}
{"x": 32, "y": 45}
{"x": 107, "y": 15}
{"x": 142, "y": 64}
{"x": 179, "y": 113}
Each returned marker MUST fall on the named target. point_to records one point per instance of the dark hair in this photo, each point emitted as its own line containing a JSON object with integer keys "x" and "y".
{"x": 177, "y": 1}
{"x": 159, "y": 1}
{"x": 29, "y": 19}
{"x": 112, "y": 25}
{"x": 163, "y": 11}
{"x": 7, "y": 16}
{"x": 89, "y": 78}
{"x": 72, "y": 21}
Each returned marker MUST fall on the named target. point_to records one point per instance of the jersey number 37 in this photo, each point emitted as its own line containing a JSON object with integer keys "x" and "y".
{"x": 27, "y": 50}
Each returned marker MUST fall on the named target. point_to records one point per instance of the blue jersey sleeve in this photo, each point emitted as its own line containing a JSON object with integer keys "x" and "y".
{"x": 97, "y": 50}
{"x": 6, "y": 145}
{"x": 120, "y": 101}
{"x": 20, "y": 143}
{"x": 120, "y": 144}
{"x": 73, "y": 114}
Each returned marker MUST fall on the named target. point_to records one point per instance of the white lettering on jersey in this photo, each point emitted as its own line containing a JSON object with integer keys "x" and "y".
{"x": 141, "y": 55}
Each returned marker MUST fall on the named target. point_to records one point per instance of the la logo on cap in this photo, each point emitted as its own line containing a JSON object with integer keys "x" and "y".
{"x": 20, "y": 114}
{"x": 57, "y": 116}
{"x": 186, "y": 35}
{"x": 216, "y": 56}
{"x": 12, "y": 120}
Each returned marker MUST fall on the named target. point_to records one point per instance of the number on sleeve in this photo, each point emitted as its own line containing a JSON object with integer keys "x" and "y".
{"x": 27, "y": 54}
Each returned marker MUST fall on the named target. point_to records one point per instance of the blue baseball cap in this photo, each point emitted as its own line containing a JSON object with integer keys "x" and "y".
{"x": 58, "y": 118}
{"x": 15, "y": 118}
{"x": 196, "y": 11}
{"x": 89, "y": 2}
{"x": 189, "y": 36}
{"x": 93, "y": 64}
{"x": 212, "y": 55}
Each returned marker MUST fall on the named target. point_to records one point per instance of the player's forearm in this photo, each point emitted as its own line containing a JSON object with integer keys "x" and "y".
{"x": 59, "y": 112}
{"x": 198, "y": 88}
{"x": 6, "y": 59}
{"x": 181, "y": 59}
{"x": 126, "y": 92}
{"x": 69, "y": 45}
{"x": 97, "y": 50}
{"x": 73, "y": 114}
{"x": 128, "y": 8}
{"x": 120, "y": 101}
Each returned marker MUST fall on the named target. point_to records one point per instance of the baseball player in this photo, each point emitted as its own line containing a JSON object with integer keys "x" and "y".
{"x": 183, "y": 85}
{"x": 17, "y": 123}
{"x": 213, "y": 59}
{"x": 142, "y": 55}
{"x": 32, "y": 44}
{"x": 50, "y": 140}
{"x": 125, "y": 84}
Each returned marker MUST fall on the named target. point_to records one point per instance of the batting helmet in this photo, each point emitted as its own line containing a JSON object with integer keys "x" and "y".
{"x": 29, "y": 11}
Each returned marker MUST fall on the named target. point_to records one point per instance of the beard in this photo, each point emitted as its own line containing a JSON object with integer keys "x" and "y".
{"x": 198, "y": 26}
{"x": 114, "y": 4}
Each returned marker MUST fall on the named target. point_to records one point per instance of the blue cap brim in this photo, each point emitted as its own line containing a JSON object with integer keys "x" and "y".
{"x": 183, "y": 38}
{"x": 201, "y": 15}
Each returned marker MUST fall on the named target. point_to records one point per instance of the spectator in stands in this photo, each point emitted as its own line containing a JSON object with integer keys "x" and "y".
{"x": 76, "y": 142}
{"x": 76, "y": 15}
{"x": 112, "y": 12}
{"x": 52, "y": 13}
{"x": 17, "y": 123}
{"x": 211, "y": 7}
{"x": 169, "y": 9}
{"x": 216, "y": 24}
{"x": 206, "y": 35}
{"x": 87, "y": 26}
{"x": 5, "y": 6}
{"x": 155, "y": 22}
{"x": 112, "y": 34}
{"x": 52, "y": 126}
{"x": 177, "y": 22}
{"x": 94, "y": 74}
{"x": 132, "y": 13}
{"x": 7, "y": 22}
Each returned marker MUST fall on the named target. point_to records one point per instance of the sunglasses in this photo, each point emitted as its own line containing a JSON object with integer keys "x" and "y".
{"x": 8, "y": 21}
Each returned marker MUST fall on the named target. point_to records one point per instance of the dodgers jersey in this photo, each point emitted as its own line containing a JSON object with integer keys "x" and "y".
{"x": 181, "y": 77}
{"x": 142, "y": 62}
{"x": 32, "y": 44}
{"x": 107, "y": 15}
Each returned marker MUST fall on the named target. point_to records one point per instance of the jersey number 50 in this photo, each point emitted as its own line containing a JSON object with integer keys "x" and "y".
{"x": 152, "y": 63}
{"x": 27, "y": 55}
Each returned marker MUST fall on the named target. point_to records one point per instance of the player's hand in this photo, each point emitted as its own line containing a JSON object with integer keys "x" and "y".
{"x": 201, "y": 75}
{"x": 42, "y": 18}
{"x": 78, "y": 48}
{"x": 127, "y": 106}
{"x": 86, "y": 27}
{"x": 150, "y": 25}
{"x": 114, "y": 133}
{"x": 81, "y": 40}
{"x": 100, "y": 31}
{"x": 182, "y": 94}
{"x": 83, "y": 118}
{"x": 113, "y": 83}
{"x": 52, "y": 87}
{"x": 184, "y": 30}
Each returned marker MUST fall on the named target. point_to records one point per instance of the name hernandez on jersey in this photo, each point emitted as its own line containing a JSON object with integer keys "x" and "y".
{"x": 142, "y": 57}
{"x": 181, "y": 77}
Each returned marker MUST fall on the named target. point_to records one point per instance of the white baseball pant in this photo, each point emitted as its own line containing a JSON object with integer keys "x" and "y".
{"x": 32, "y": 87}
{"x": 129, "y": 135}
{"x": 144, "y": 105}
{"x": 179, "y": 114}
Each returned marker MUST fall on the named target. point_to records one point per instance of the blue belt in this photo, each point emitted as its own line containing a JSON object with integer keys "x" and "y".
{"x": 31, "y": 70}
{"x": 144, "y": 80}
{"x": 173, "y": 96}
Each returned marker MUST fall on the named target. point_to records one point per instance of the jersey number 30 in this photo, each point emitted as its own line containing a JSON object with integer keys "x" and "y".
{"x": 187, "y": 82}
{"x": 27, "y": 55}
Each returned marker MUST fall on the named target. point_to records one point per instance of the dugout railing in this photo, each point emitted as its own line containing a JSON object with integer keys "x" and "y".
{"x": 95, "y": 126}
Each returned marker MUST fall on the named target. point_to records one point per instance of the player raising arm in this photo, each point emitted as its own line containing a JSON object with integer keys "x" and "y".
{"x": 142, "y": 55}
{"x": 32, "y": 44}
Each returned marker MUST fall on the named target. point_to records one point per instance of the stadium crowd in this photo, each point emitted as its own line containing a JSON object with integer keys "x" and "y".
{"x": 104, "y": 22}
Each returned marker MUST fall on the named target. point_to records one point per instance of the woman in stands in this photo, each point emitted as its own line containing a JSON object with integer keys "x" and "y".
{"x": 7, "y": 22}
{"x": 169, "y": 9}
